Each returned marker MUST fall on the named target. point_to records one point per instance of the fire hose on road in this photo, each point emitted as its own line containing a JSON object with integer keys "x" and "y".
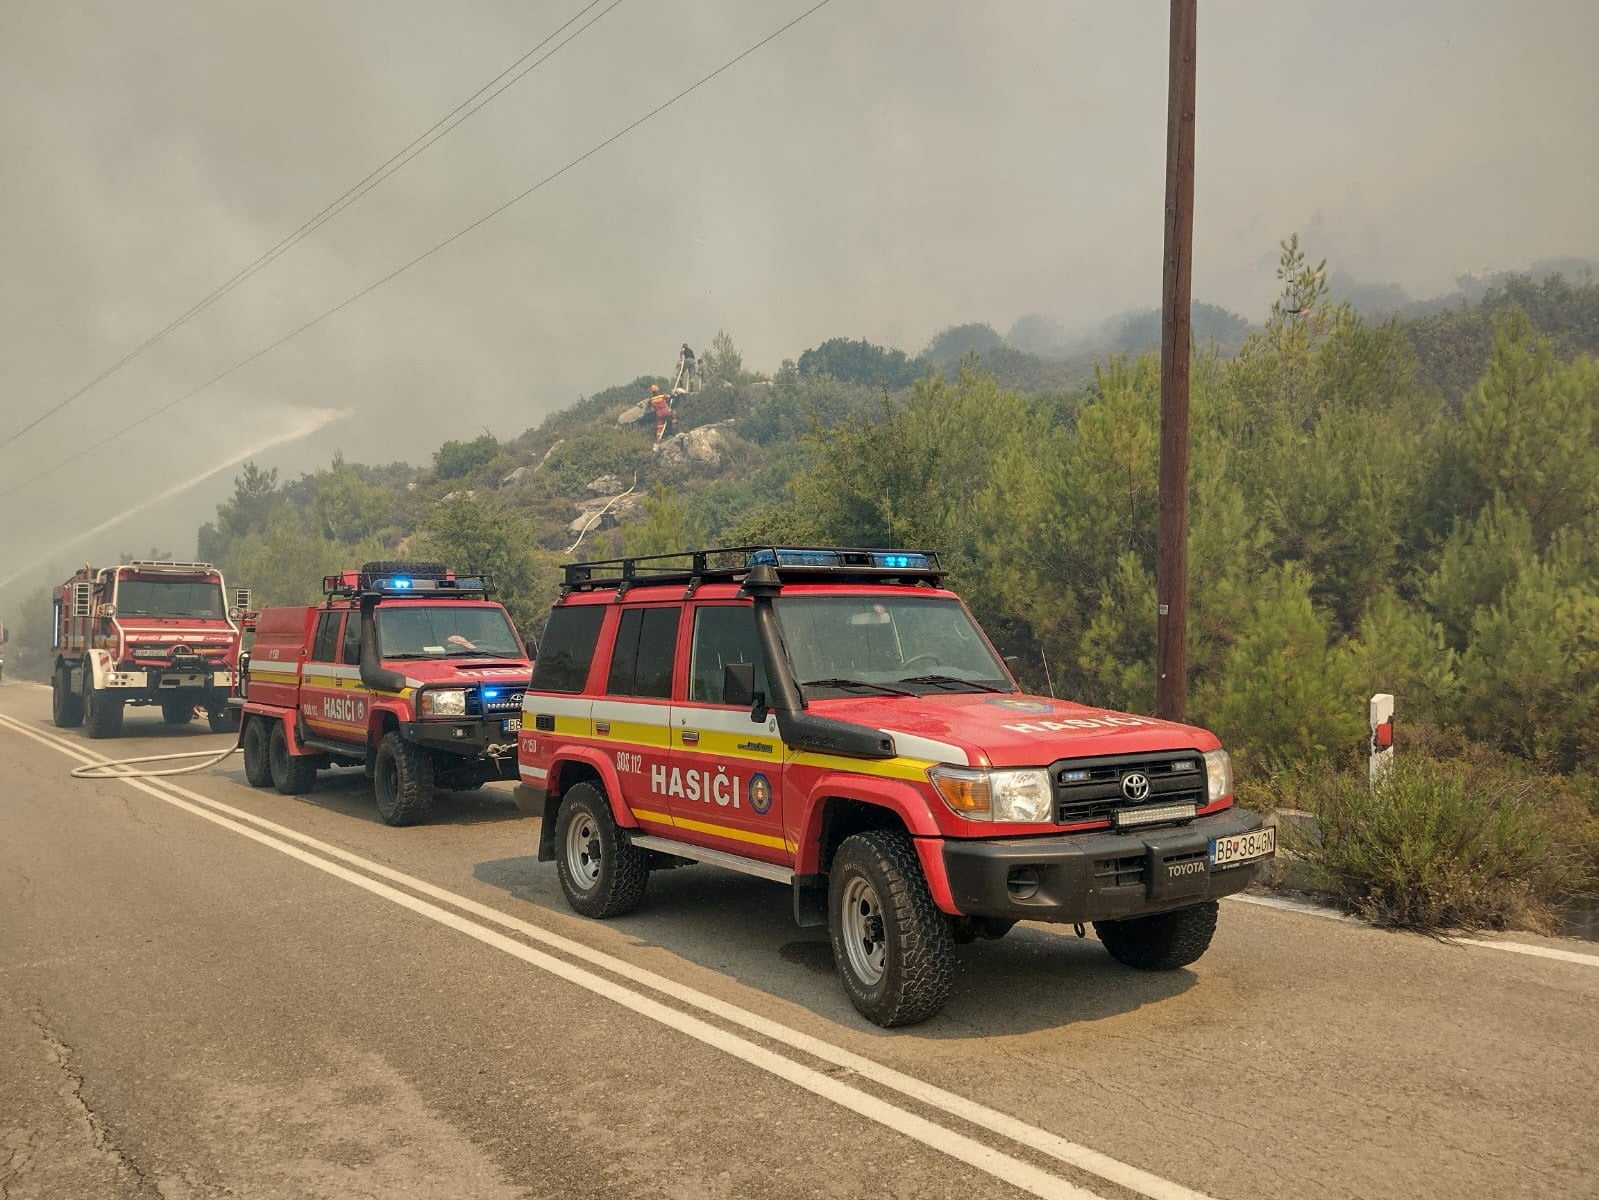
{"x": 118, "y": 768}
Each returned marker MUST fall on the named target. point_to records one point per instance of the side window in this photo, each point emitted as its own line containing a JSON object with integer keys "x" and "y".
{"x": 722, "y": 634}
{"x": 350, "y": 651}
{"x": 646, "y": 644}
{"x": 567, "y": 648}
{"x": 327, "y": 637}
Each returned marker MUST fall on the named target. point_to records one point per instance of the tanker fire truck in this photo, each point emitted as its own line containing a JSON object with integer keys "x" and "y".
{"x": 407, "y": 669}
{"x": 144, "y": 633}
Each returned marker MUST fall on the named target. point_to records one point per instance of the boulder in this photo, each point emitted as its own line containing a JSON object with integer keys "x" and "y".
{"x": 707, "y": 445}
{"x": 610, "y": 512}
{"x": 605, "y": 485}
{"x": 516, "y": 477}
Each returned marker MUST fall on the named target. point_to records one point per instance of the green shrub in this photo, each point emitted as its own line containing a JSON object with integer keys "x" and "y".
{"x": 1454, "y": 845}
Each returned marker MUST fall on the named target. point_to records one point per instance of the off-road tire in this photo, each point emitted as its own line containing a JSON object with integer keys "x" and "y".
{"x": 221, "y": 720}
{"x": 257, "y": 760}
{"x": 918, "y": 952}
{"x": 402, "y": 780}
{"x": 66, "y": 705}
{"x": 102, "y": 711}
{"x": 602, "y": 873}
{"x": 292, "y": 774}
{"x": 174, "y": 712}
{"x": 1162, "y": 941}
{"x": 403, "y": 566}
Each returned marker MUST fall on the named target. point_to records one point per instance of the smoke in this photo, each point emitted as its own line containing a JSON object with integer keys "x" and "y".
{"x": 302, "y": 423}
{"x": 870, "y": 174}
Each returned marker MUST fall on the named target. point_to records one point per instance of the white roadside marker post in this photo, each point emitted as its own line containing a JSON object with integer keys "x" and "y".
{"x": 1381, "y": 720}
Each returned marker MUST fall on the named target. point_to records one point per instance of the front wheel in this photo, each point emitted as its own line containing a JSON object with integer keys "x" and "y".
{"x": 102, "y": 710}
{"x": 402, "y": 780}
{"x": 221, "y": 720}
{"x": 602, "y": 873}
{"x": 1162, "y": 941}
{"x": 292, "y": 774}
{"x": 66, "y": 705}
{"x": 893, "y": 947}
{"x": 257, "y": 763}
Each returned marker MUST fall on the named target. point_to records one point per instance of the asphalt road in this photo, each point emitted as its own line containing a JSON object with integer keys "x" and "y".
{"x": 207, "y": 990}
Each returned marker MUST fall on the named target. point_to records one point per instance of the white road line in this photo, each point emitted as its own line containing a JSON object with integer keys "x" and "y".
{"x": 1332, "y": 914}
{"x": 1570, "y": 956}
{"x": 1001, "y": 1166}
{"x": 1295, "y": 906}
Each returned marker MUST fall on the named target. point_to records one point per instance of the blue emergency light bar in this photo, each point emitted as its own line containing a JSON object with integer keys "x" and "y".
{"x": 694, "y": 567}
{"x": 843, "y": 560}
{"x": 352, "y": 583}
{"x": 407, "y": 586}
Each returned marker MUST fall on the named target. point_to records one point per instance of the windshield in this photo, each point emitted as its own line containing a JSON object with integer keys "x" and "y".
{"x": 854, "y": 645}
{"x": 170, "y": 598}
{"x": 445, "y": 631}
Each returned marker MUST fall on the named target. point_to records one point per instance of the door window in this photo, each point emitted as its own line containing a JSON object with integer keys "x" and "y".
{"x": 723, "y": 634}
{"x": 646, "y": 645}
{"x": 327, "y": 637}
{"x": 350, "y": 651}
{"x": 567, "y": 649}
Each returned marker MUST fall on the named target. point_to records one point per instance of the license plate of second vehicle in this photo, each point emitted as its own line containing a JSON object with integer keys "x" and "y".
{"x": 1243, "y": 847}
{"x": 512, "y": 724}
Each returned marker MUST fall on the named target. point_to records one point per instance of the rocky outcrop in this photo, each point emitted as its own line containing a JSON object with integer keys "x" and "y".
{"x": 605, "y": 512}
{"x": 707, "y": 446}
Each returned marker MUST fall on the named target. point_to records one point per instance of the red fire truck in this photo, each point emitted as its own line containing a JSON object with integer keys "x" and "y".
{"x": 407, "y": 669}
{"x": 144, "y": 633}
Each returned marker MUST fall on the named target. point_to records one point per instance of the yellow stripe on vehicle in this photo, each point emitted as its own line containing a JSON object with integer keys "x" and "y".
{"x": 726, "y": 831}
{"x": 659, "y": 818}
{"x": 628, "y": 734}
{"x": 721, "y": 745}
{"x": 914, "y": 769}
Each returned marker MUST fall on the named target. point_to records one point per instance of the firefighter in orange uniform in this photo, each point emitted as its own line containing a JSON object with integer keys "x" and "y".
{"x": 661, "y": 406}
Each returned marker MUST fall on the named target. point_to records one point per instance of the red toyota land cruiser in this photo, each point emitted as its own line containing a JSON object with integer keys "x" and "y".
{"x": 835, "y": 719}
{"x": 407, "y": 669}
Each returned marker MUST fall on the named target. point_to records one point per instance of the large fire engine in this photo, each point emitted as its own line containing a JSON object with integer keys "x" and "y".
{"x": 144, "y": 633}
{"x": 407, "y": 669}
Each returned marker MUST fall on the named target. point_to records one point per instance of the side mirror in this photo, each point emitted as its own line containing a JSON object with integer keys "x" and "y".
{"x": 738, "y": 684}
{"x": 1012, "y": 659}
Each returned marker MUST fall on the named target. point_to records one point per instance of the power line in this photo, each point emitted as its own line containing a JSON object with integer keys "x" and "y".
{"x": 440, "y": 128}
{"x": 426, "y": 254}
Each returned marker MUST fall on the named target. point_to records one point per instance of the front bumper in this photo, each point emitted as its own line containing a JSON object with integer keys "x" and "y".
{"x": 169, "y": 679}
{"x": 1097, "y": 877}
{"x": 468, "y": 737}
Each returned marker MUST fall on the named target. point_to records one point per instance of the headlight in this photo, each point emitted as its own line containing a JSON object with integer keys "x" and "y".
{"x": 1218, "y": 775}
{"x": 446, "y": 702}
{"x": 979, "y": 795}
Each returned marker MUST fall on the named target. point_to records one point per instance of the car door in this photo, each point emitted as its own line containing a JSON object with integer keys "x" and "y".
{"x": 726, "y": 771}
{"x": 319, "y": 680}
{"x": 633, "y": 717}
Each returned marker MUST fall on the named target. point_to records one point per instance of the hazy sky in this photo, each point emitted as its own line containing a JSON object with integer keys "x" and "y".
{"x": 881, "y": 170}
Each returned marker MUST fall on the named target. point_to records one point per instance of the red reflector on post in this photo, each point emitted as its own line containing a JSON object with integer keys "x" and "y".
{"x": 1384, "y": 735}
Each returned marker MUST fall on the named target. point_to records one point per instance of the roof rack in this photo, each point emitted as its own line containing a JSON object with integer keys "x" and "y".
{"x": 169, "y": 564}
{"x": 731, "y": 563}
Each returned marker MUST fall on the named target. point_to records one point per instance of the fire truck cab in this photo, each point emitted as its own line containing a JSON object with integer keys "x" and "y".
{"x": 144, "y": 633}
{"x": 406, "y": 669}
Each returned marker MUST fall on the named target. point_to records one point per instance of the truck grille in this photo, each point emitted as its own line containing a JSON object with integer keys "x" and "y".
{"x": 505, "y": 700}
{"x": 1091, "y": 789}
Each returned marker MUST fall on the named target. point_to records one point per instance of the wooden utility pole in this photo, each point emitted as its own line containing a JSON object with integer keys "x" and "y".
{"x": 1171, "y": 579}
